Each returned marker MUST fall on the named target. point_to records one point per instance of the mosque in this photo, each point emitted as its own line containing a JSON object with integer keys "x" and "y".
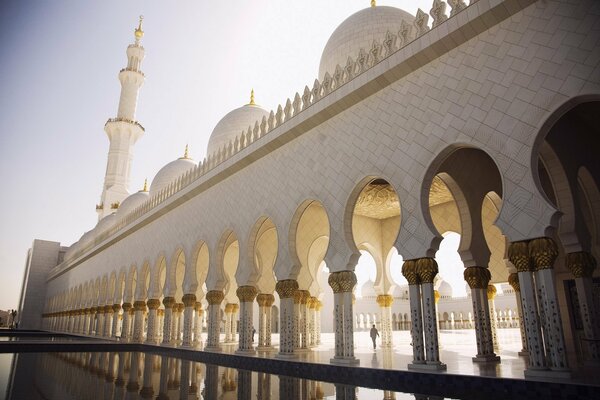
{"x": 475, "y": 119}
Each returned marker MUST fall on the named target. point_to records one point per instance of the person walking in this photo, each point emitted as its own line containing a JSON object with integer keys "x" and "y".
{"x": 374, "y": 335}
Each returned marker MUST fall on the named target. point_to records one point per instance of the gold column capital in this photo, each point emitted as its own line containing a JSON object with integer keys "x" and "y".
{"x": 215, "y": 297}
{"x": 518, "y": 255}
{"x": 153, "y": 304}
{"x": 139, "y": 305}
{"x": 246, "y": 293}
{"x": 409, "y": 270}
{"x": 477, "y": 277}
{"x": 491, "y": 292}
{"x": 436, "y": 296}
{"x": 265, "y": 300}
{"x": 385, "y": 300}
{"x": 126, "y": 307}
{"x": 581, "y": 264}
{"x": 189, "y": 300}
{"x": 169, "y": 302}
{"x": 342, "y": 281}
{"x": 286, "y": 288}
{"x": 198, "y": 307}
{"x": 513, "y": 280}
{"x": 543, "y": 251}
{"x": 427, "y": 269}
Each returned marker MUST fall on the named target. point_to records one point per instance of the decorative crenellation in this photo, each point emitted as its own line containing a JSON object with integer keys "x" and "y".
{"x": 491, "y": 292}
{"x": 513, "y": 280}
{"x": 342, "y": 281}
{"x": 286, "y": 288}
{"x": 189, "y": 300}
{"x": 246, "y": 293}
{"x": 477, "y": 277}
{"x": 366, "y": 59}
{"x": 427, "y": 269}
{"x": 385, "y": 300}
{"x": 581, "y": 264}
{"x": 214, "y": 297}
{"x": 543, "y": 252}
{"x": 518, "y": 254}
{"x": 409, "y": 271}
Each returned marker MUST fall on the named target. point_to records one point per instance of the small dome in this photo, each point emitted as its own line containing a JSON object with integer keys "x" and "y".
{"x": 232, "y": 125}
{"x": 170, "y": 173}
{"x": 445, "y": 289}
{"x": 131, "y": 202}
{"x": 358, "y": 32}
{"x": 368, "y": 289}
{"x": 400, "y": 291}
{"x": 104, "y": 224}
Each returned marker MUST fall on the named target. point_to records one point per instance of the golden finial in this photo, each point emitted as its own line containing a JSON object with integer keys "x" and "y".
{"x": 185, "y": 153}
{"x": 373, "y": 3}
{"x": 145, "y": 189}
{"x": 252, "y": 103}
{"x": 139, "y": 33}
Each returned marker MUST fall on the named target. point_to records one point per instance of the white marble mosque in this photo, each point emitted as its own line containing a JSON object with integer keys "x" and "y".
{"x": 475, "y": 118}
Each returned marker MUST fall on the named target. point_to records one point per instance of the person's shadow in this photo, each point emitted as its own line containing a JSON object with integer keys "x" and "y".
{"x": 374, "y": 360}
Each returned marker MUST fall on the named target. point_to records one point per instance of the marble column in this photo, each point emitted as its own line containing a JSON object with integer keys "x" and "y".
{"x": 133, "y": 384}
{"x": 198, "y": 324}
{"x": 126, "y": 327}
{"x": 264, "y": 386}
{"x": 138, "y": 320}
{"x": 582, "y": 265}
{"x": 385, "y": 306}
{"x": 318, "y": 308}
{"x": 244, "y": 389}
{"x": 214, "y": 298}
{"x": 151, "y": 335}
{"x": 168, "y": 302}
{"x": 184, "y": 385}
{"x": 178, "y": 322}
{"x": 108, "y": 314}
{"x": 234, "y": 322}
{"x": 265, "y": 302}
{"x": 543, "y": 252}
{"x": 189, "y": 302}
{"x": 437, "y": 296}
{"x": 312, "y": 318}
{"x": 478, "y": 279}
{"x": 147, "y": 391}
{"x": 116, "y": 308}
{"x": 161, "y": 324}
{"x": 427, "y": 269}
{"x": 342, "y": 283}
{"x": 304, "y": 320}
{"x": 297, "y": 299}
{"x": 491, "y": 295}
{"x": 211, "y": 380}
{"x": 163, "y": 383}
{"x": 100, "y": 317}
{"x": 513, "y": 280}
{"x": 228, "y": 322}
{"x": 409, "y": 271}
{"x": 287, "y": 326}
{"x": 246, "y": 294}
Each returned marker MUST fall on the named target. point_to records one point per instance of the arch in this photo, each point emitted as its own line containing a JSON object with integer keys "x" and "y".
{"x": 197, "y": 269}
{"x": 130, "y": 285}
{"x": 591, "y": 200}
{"x": 173, "y": 286}
{"x": 263, "y": 245}
{"x": 143, "y": 282}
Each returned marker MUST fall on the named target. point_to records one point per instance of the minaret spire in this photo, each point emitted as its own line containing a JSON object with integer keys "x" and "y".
{"x": 123, "y": 131}
{"x": 252, "y": 103}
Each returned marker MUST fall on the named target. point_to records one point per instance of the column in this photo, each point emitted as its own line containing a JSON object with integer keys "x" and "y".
{"x": 100, "y": 323}
{"x": 116, "y": 308}
{"x": 518, "y": 254}
{"x": 304, "y": 324}
{"x": 513, "y": 280}
{"x": 409, "y": 271}
{"x": 126, "y": 321}
{"x": 151, "y": 336}
{"x": 385, "y": 304}
{"x": 214, "y": 298}
{"x": 543, "y": 252}
{"x": 246, "y": 294}
{"x": 198, "y": 324}
{"x": 265, "y": 302}
{"x": 108, "y": 314}
{"x": 437, "y": 297}
{"x": 168, "y": 302}
{"x": 228, "y": 322}
{"x": 163, "y": 385}
{"x": 478, "y": 279}
{"x": 318, "y": 308}
{"x": 312, "y": 317}
{"x": 287, "y": 327}
{"x": 244, "y": 390}
{"x": 582, "y": 265}
{"x": 138, "y": 321}
{"x": 491, "y": 295}
{"x": 427, "y": 269}
{"x": 147, "y": 391}
{"x": 178, "y": 322}
{"x": 189, "y": 302}
{"x": 297, "y": 319}
{"x": 264, "y": 386}
{"x": 343, "y": 283}
{"x": 133, "y": 385}
{"x": 161, "y": 327}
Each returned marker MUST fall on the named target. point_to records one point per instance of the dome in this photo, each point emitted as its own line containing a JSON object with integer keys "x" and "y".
{"x": 445, "y": 289}
{"x": 400, "y": 291}
{"x": 132, "y": 202}
{"x": 368, "y": 289}
{"x": 169, "y": 173}
{"x": 358, "y": 31}
{"x": 105, "y": 224}
{"x": 232, "y": 124}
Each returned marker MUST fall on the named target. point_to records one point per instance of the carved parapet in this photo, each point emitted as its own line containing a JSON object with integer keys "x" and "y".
{"x": 139, "y": 305}
{"x": 342, "y": 281}
{"x": 189, "y": 300}
{"x": 513, "y": 280}
{"x": 169, "y": 302}
{"x": 477, "y": 277}
{"x": 286, "y": 288}
{"x": 543, "y": 252}
{"x": 246, "y": 293}
{"x": 385, "y": 300}
{"x": 427, "y": 269}
{"x": 518, "y": 254}
{"x": 215, "y": 297}
{"x": 265, "y": 300}
{"x": 581, "y": 264}
{"x": 153, "y": 304}
{"x": 491, "y": 292}
{"x": 409, "y": 271}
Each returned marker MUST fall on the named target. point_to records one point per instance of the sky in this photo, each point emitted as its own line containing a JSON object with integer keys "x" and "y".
{"x": 59, "y": 62}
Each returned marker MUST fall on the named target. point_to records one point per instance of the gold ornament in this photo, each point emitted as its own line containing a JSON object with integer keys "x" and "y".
{"x": 385, "y": 300}
{"x": 409, "y": 270}
{"x": 265, "y": 300}
{"x": 513, "y": 280}
{"x": 436, "y": 296}
{"x": 286, "y": 288}
{"x": 169, "y": 302}
{"x": 342, "y": 281}
{"x": 139, "y": 305}
{"x": 126, "y": 307}
{"x": 427, "y": 269}
{"x": 153, "y": 304}
{"x": 491, "y": 292}
{"x": 543, "y": 251}
{"x": 139, "y": 33}
{"x": 198, "y": 307}
{"x": 189, "y": 300}
{"x": 246, "y": 293}
{"x": 477, "y": 277}
{"x": 581, "y": 264}
{"x": 115, "y": 308}
{"x": 215, "y": 297}
{"x": 518, "y": 254}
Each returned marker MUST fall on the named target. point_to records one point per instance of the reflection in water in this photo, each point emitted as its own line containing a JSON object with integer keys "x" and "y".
{"x": 129, "y": 376}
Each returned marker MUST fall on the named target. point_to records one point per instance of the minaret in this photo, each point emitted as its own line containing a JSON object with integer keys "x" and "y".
{"x": 123, "y": 131}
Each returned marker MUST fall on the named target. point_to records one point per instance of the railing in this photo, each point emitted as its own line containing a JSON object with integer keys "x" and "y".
{"x": 121, "y": 119}
{"x": 366, "y": 59}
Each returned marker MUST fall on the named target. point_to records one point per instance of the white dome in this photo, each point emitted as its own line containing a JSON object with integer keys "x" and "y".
{"x": 445, "y": 289}
{"x": 232, "y": 125}
{"x": 358, "y": 31}
{"x": 104, "y": 224}
{"x": 368, "y": 289}
{"x": 400, "y": 291}
{"x": 131, "y": 202}
{"x": 170, "y": 173}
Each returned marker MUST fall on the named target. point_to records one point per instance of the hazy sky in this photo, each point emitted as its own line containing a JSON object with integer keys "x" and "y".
{"x": 59, "y": 62}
